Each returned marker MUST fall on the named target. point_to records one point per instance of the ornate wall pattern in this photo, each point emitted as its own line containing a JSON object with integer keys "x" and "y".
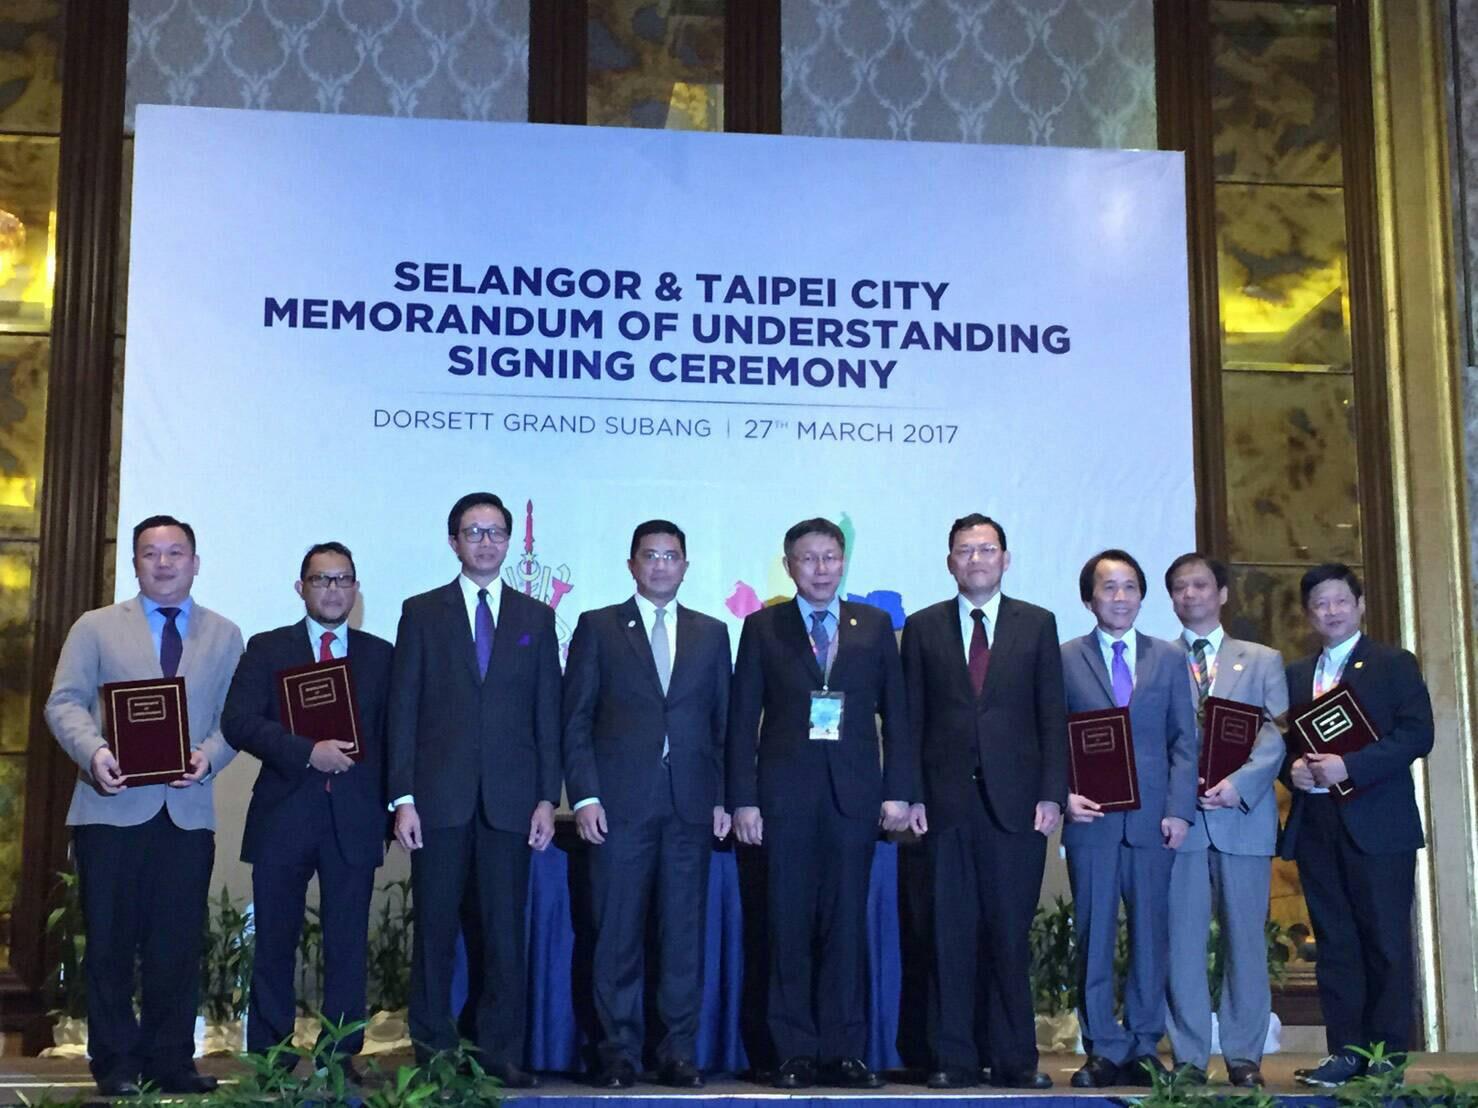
{"x": 1026, "y": 72}
{"x": 443, "y": 59}
{"x": 1465, "y": 96}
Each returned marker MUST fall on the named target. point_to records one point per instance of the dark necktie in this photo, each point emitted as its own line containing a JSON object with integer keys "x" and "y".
{"x": 820, "y": 640}
{"x": 483, "y": 639}
{"x": 1200, "y": 667}
{"x": 325, "y": 647}
{"x": 979, "y": 651}
{"x": 1123, "y": 679}
{"x": 171, "y": 646}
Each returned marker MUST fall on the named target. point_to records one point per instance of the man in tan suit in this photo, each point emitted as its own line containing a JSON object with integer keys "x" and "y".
{"x": 144, "y": 852}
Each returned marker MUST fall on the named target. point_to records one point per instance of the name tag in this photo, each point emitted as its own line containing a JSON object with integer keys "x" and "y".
{"x": 826, "y": 716}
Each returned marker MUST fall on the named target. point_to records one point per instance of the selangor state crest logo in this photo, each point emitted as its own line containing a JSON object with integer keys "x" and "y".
{"x": 532, "y": 577}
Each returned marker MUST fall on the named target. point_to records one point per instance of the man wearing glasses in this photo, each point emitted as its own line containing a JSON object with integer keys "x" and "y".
{"x": 646, "y": 699}
{"x": 475, "y": 773}
{"x": 314, "y": 808}
{"x": 804, "y": 780}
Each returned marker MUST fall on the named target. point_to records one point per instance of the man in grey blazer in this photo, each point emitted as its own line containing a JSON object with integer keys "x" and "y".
{"x": 1226, "y": 859}
{"x": 1114, "y": 855}
{"x": 144, "y": 852}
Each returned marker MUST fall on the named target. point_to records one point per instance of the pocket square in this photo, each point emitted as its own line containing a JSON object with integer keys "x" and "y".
{"x": 524, "y": 640}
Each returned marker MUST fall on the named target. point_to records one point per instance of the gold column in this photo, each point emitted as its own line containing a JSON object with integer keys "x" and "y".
{"x": 1414, "y": 185}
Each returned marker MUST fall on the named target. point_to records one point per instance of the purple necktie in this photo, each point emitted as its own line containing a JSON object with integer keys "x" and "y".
{"x": 1123, "y": 679}
{"x": 170, "y": 644}
{"x": 483, "y": 639}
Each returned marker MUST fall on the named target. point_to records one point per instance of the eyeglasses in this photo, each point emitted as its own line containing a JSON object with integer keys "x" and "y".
{"x": 650, "y": 556}
{"x": 331, "y": 581}
{"x": 811, "y": 561}
{"x": 985, "y": 550}
{"x": 475, "y": 534}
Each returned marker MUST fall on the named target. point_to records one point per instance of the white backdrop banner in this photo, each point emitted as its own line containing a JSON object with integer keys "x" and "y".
{"x": 338, "y": 325}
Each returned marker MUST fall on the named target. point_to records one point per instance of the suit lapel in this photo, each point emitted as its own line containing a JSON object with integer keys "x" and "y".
{"x": 636, "y": 638}
{"x": 1354, "y": 672}
{"x": 1228, "y": 676}
{"x": 462, "y": 629}
{"x": 143, "y": 637}
{"x": 792, "y": 631}
{"x": 687, "y": 644}
{"x": 1001, "y": 639}
{"x": 1093, "y": 659}
{"x": 302, "y": 646}
{"x": 954, "y": 637}
{"x": 1144, "y": 660}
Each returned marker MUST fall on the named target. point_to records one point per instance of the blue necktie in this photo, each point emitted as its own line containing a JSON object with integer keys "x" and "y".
{"x": 171, "y": 646}
{"x": 483, "y": 639}
{"x": 820, "y": 640}
{"x": 1123, "y": 679}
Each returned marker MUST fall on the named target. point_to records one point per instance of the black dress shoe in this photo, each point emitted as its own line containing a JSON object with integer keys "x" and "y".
{"x": 118, "y": 1086}
{"x": 512, "y": 1077}
{"x": 1096, "y": 1073}
{"x": 186, "y": 1081}
{"x": 1021, "y": 1079}
{"x": 620, "y": 1074}
{"x": 951, "y": 1077}
{"x": 1188, "y": 1073}
{"x": 1137, "y": 1071}
{"x": 681, "y": 1074}
{"x": 1244, "y": 1074}
{"x": 849, "y": 1073}
{"x": 796, "y": 1073}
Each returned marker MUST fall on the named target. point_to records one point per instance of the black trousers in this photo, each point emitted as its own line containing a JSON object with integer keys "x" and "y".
{"x": 985, "y": 884}
{"x": 1360, "y": 905}
{"x": 820, "y": 867}
{"x": 143, "y": 891}
{"x": 491, "y": 867}
{"x": 652, "y": 862}
{"x": 279, "y": 898}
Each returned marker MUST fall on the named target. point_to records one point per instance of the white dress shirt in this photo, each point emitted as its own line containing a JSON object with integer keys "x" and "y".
{"x": 991, "y": 608}
{"x": 1131, "y": 654}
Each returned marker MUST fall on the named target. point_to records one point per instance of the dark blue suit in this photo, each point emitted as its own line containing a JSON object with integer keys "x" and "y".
{"x": 298, "y": 825}
{"x": 659, "y": 812}
{"x": 820, "y": 802}
{"x": 1357, "y": 858}
{"x": 478, "y": 754}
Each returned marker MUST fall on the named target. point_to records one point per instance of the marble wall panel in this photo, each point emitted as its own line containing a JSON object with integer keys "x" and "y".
{"x": 656, "y": 63}
{"x": 1464, "y": 76}
{"x": 30, "y": 66}
{"x": 1291, "y": 467}
{"x": 28, "y": 176}
{"x": 24, "y": 361}
{"x": 17, "y": 632}
{"x": 12, "y": 818}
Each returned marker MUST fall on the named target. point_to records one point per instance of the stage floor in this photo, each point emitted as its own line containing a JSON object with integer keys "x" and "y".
{"x": 34, "y": 1077}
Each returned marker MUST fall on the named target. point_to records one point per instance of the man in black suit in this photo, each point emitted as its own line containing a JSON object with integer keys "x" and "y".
{"x": 989, "y": 725}
{"x": 1357, "y": 857}
{"x": 646, "y": 701}
{"x": 314, "y": 809}
{"x": 474, "y": 770}
{"x": 804, "y": 780}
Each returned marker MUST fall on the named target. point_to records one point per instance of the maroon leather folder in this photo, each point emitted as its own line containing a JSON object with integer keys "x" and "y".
{"x": 147, "y": 725}
{"x": 1228, "y": 731}
{"x": 1101, "y": 749}
{"x": 317, "y": 702}
{"x": 1336, "y": 723}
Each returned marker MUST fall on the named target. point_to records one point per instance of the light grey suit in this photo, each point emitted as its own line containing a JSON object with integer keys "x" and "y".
{"x": 144, "y": 855}
{"x": 114, "y": 644}
{"x": 1227, "y": 857}
{"x": 1122, "y": 855}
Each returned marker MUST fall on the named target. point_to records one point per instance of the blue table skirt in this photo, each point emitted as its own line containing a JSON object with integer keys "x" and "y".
{"x": 732, "y": 1032}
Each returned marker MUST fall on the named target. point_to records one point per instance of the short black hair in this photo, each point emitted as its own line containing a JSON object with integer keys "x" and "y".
{"x": 472, "y": 500}
{"x": 163, "y": 521}
{"x": 658, "y": 527}
{"x": 1113, "y": 554}
{"x": 1328, "y": 571}
{"x": 326, "y": 548}
{"x": 1218, "y": 569}
{"x": 817, "y": 526}
{"x": 975, "y": 519}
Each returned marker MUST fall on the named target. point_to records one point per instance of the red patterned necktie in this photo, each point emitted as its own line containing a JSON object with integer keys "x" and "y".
{"x": 325, "y": 645}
